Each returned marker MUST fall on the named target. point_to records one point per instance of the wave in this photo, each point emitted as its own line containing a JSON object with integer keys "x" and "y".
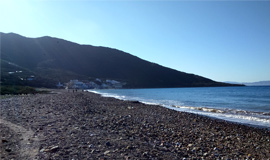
{"x": 214, "y": 110}
{"x": 108, "y": 95}
{"x": 235, "y": 115}
{"x": 261, "y": 119}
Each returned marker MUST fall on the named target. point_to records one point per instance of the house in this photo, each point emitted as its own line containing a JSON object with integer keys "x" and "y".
{"x": 75, "y": 84}
{"x": 30, "y": 79}
{"x": 114, "y": 84}
{"x": 98, "y": 84}
{"x": 59, "y": 85}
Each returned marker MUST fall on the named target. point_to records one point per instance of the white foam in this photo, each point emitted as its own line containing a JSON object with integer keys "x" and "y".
{"x": 92, "y": 91}
{"x": 240, "y": 116}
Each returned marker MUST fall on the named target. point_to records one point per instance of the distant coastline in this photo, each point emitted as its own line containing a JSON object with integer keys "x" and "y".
{"x": 259, "y": 83}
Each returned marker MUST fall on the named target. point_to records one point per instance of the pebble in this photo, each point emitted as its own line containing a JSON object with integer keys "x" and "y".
{"x": 107, "y": 152}
{"x": 108, "y": 144}
{"x": 8, "y": 149}
{"x": 129, "y": 129}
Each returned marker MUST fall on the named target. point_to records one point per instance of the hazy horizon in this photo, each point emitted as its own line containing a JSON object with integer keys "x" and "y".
{"x": 220, "y": 40}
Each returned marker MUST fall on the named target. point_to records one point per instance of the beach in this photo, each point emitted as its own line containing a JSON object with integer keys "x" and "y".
{"x": 83, "y": 125}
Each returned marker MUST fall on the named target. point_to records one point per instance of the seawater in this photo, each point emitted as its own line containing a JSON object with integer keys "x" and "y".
{"x": 247, "y": 105}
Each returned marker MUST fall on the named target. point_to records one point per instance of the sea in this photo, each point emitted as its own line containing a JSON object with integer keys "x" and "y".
{"x": 248, "y": 105}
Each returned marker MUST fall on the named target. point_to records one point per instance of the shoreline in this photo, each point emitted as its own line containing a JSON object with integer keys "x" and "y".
{"x": 253, "y": 118}
{"x": 84, "y": 125}
{"x": 176, "y": 109}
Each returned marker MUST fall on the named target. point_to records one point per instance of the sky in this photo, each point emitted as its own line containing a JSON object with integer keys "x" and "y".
{"x": 220, "y": 40}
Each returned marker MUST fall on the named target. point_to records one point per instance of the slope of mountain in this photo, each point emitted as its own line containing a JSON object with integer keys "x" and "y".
{"x": 61, "y": 60}
{"x": 12, "y": 74}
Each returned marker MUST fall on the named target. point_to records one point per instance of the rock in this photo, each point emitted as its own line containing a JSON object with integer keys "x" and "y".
{"x": 54, "y": 149}
{"x": 107, "y": 152}
{"x": 8, "y": 150}
{"x": 90, "y": 146}
{"x": 42, "y": 150}
{"x": 50, "y": 149}
{"x": 136, "y": 102}
{"x": 190, "y": 145}
{"x": 129, "y": 147}
{"x": 145, "y": 153}
{"x": 91, "y": 134}
{"x": 83, "y": 127}
{"x": 108, "y": 144}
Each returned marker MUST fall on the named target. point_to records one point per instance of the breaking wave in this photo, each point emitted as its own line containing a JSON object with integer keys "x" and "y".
{"x": 241, "y": 116}
{"x": 248, "y": 117}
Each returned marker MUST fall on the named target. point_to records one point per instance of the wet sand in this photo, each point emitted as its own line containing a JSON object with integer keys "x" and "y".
{"x": 84, "y": 125}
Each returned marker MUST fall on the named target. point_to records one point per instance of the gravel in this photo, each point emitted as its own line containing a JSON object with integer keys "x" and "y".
{"x": 84, "y": 125}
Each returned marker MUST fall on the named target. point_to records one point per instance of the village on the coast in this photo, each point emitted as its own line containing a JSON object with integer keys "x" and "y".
{"x": 97, "y": 84}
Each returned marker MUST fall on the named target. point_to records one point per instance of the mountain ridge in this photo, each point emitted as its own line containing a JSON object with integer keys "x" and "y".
{"x": 62, "y": 60}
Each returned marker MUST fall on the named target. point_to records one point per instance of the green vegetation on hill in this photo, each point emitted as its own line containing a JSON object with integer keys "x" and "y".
{"x": 53, "y": 60}
{"x": 12, "y": 74}
{"x": 15, "y": 90}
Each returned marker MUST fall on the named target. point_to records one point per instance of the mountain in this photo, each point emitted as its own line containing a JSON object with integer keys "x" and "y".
{"x": 56, "y": 60}
{"x": 260, "y": 83}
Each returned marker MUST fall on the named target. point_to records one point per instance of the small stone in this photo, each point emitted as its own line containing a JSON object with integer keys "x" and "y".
{"x": 93, "y": 150}
{"x": 106, "y": 152}
{"x": 50, "y": 149}
{"x": 108, "y": 144}
{"x": 4, "y": 141}
{"x": 145, "y": 153}
{"x": 83, "y": 127}
{"x": 91, "y": 145}
{"x": 91, "y": 134}
{"x": 54, "y": 149}
{"x": 8, "y": 150}
{"x": 126, "y": 157}
{"x": 136, "y": 102}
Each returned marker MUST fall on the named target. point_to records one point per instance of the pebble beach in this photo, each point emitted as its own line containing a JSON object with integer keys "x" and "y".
{"x": 83, "y": 125}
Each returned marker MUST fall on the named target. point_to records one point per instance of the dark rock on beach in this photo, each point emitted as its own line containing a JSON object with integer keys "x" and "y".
{"x": 84, "y": 125}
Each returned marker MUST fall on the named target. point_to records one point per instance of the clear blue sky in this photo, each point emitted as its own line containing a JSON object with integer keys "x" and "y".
{"x": 220, "y": 40}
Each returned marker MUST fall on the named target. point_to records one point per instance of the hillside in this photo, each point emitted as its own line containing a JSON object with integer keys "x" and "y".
{"x": 12, "y": 74}
{"x": 61, "y": 60}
